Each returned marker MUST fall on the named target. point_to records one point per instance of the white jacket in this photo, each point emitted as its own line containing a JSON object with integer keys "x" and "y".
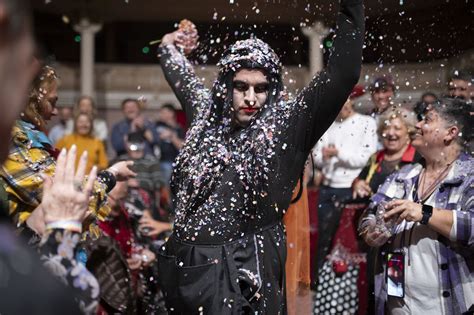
{"x": 355, "y": 138}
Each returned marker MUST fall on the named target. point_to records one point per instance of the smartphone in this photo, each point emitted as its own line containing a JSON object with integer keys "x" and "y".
{"x": 395, "y": 274}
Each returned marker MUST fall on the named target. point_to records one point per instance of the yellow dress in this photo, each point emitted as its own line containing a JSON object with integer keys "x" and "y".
{"x": 94, "y": 147}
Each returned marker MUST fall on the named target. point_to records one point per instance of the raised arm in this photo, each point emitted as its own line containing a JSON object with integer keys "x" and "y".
{"x": 320, "y": 102}
{"x": 180, "y": 74}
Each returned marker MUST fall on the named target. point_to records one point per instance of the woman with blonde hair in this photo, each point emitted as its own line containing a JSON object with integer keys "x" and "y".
{"x": 86, "y": 105}
{"x": 31, "y": 152}
{"x": 33, "y": 156}
{"x": 394, "y": 128}
{"x": 42, "y": 99}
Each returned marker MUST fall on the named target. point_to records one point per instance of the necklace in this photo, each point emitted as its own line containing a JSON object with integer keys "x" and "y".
{"x": 423, "y": 192}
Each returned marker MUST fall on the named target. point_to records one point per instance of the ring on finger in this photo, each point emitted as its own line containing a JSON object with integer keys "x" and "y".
{"x": 77, "y": 185}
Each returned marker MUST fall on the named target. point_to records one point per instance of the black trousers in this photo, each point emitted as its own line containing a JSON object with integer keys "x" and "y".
{"x": 245, "y": 276}
{"x": 330, "y": 204}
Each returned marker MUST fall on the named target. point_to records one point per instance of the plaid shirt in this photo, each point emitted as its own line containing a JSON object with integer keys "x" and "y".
{"x": 456, "y": 254}
{"x": 28, "y": 158}
{"x": 31, "y": 154}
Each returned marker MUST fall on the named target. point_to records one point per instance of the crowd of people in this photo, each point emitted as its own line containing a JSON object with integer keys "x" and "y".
{"x": 399, "y": 148}
{"x": 152, "y": 146}
{"x": 212, "y": 217}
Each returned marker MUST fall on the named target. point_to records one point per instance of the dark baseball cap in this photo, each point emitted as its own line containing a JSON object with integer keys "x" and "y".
{"x": 382, "y": 82}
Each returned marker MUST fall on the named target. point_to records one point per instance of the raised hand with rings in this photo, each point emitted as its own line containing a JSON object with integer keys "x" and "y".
{"x": 66, "y": 195}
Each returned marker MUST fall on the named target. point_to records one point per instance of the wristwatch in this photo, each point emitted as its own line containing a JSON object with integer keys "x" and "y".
{"x": 427, "y": 212}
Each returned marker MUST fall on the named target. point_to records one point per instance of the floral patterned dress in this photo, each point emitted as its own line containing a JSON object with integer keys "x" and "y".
{"x": 57, "y": 251}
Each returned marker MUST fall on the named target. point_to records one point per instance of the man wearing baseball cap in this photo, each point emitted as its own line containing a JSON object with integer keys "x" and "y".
{"x": 382, "y": 91}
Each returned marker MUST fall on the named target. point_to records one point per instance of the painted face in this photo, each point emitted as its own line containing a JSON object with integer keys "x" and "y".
{"x": 395, "y": 135}
{"x": 48, "y": 102}
{"x": 381, "y": 98}
{"x": 430, "y": 132}
{"x": 83, "y": 125}
{"x": 460, "y": 89}
{"x": 131, "y": 110}
{"x": 249, "y": 95}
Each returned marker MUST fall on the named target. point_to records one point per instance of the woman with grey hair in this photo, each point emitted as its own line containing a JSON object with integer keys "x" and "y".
{"x": 422, "y": 219}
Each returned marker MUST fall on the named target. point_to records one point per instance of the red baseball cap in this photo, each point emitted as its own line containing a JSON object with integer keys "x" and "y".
{"x": 357, "y": 91}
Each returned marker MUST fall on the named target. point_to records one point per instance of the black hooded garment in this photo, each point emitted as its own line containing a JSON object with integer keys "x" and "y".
{"x": 227, "y": 252}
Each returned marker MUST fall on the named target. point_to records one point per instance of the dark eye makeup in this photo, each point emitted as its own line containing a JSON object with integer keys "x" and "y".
{"x": 244, "y": 87}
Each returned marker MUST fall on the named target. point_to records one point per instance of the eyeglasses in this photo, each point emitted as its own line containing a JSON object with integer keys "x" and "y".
{"x": 244, "y": 87}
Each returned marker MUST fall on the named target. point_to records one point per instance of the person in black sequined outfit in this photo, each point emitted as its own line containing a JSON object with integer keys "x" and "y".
{"x": 244, "y": 152}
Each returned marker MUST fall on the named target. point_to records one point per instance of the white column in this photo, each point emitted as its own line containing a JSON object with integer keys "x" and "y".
{"x": 87, "y": 30}
{"x": 315, "y": 33}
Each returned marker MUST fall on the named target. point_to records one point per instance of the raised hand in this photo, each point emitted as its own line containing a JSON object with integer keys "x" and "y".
{"x": 185, "y": 37}
{"x": 66, "y": 196}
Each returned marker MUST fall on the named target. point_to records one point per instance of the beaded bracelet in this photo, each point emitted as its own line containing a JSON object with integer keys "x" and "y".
{"x": 70, "y": 225}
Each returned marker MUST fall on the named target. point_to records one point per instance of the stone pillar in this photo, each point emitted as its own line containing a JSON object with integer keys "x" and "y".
{"x": 315, "y": 33}
{"x": 87, "y": 30}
